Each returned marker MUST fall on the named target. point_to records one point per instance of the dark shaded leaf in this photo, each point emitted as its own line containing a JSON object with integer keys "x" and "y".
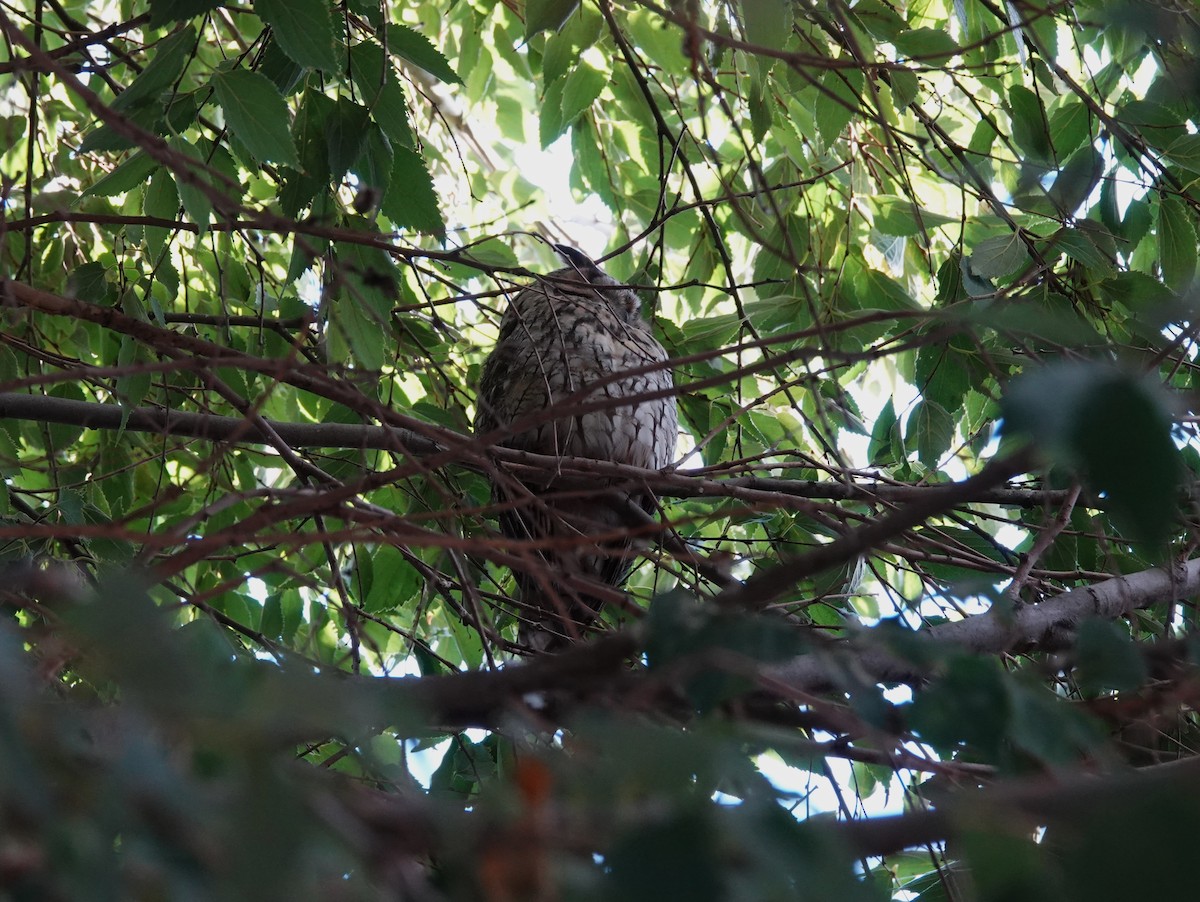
{"x": 1114, "y": 429}
{"x": 304, "y": 30}
{"x": 256, "y": 114}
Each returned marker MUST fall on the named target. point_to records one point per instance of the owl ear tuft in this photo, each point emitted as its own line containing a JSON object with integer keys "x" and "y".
{"x": 583, "y": 264}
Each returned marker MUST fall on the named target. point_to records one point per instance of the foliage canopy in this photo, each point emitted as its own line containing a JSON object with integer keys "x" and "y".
{"x": 259, "y": 638}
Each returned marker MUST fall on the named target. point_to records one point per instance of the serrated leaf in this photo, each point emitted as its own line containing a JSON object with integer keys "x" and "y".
{"x": 381, "y": 92}
{"x": 64, "y": 435}
{"x": 410, "y": 201}
{"x": 996, "y": 257}
{"x": 346, "y": 135}
{"x": 901, "y": 217}
{"x": 761, "y": 110}
{"x": 126, "y": 177}
{"x": 417, "y": 49}
{"x": 1076, "y": 180}
{"x": 880, "y": 19}
{"x": 969, "y": 704}
{"x": 169, "y": 60}
{"x": 1070, "y": 126}
{"x": 257, "y": 116}
{"x": 300, "y": 187}
{"x": 88, "y": 282}
{"x": 837, "y": 102}
{"x": 580, "y": 90}
{"x": 1185, "y": 152}
{"x": 1031, "y": 133}
{"x": 1080, "y": 246}
{"x": 160, "y": 201}
{"x": 550, "y": 120}
{"x": 905, "y": 88}
{"x": 195, "y": 201}
{"x": 885, "y": 447}
{"x": 1176, "y": 242}
{"x": 768, "y": 22}
{"x": 304, "y": 30}
{"x": 941, "y": 376}
{"x": 933, "y": 46}
{"x": 931, "y": 429}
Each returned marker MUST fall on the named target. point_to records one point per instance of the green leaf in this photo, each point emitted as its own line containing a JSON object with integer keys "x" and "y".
{"x": 381, "y": 92}
{"x": 1031, "y": 132}
{"x": 580, "y": 91}
{"x": 768, "y": 22}
{"x": 1185, "y": 152}
{"x": 880, "y": 19}
{"x": 671, "y": 857}
{"x": 547, "y": 15}
{"x": 393, "y": 581}
{"x": 1107, "y": 658}
{"x": 1076, "y": 180}
{"x": 410, "y": 201}
{"x": 1176, "y": 242}
{"x": 89, "y": 282}
{"x": 941, "y": 375}
{"x": 346, "y": 136}
{"x": 1111, "y": 427}
{"x": 996, "y": 257}
{"x": 300, "y": 187}
{"x": 1070, "y": 126}
{"x": 126, "y": 177}
{"x": 304, "y": 30}
{"x": 164, "y": 12}
{"x": 1081, "y": 245}
{"x": 168, "y": 64}
{"x": 932, "y": 46}
{"x": 905, "y": 88}
{"x": 969, "y": 704}
{"x": 64, "y": 435}
{"x": 932, "y": 427}
{"x": 885, "y": 448}
{"x": 1049, "y": 728}
{"x": 550, "y": 120}
{"x": 256, "y": 114}
{"x": 900, "y": 216}
{"x": 837, "y": 103}
{"x": 195, "y": 201}
{"x": 416, "y": 48}
{"x": 761, "y": 112}
{"x": 160, "y": 201}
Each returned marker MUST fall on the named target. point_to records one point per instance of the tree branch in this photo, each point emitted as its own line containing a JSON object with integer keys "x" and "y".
{"x": 1049, "y": 624}
{"x": 1038, "y": 802}
{"x": 676, "y": 484}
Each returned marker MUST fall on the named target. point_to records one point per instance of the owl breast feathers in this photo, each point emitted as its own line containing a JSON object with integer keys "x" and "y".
{"x": 573, "y": 359}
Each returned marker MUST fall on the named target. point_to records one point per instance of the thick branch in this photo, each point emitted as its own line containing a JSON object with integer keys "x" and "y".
{"x": 1038, "y": 802}
{"x": 1049, "y": 624}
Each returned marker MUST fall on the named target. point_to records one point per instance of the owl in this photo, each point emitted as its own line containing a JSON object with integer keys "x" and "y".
{"x": 569, "y": 376}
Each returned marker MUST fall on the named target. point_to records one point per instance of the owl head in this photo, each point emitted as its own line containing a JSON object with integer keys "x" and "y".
{"x": 581, "y": 268}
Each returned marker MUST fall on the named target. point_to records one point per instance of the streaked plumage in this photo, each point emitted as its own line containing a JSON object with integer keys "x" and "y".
{"x": 565, "y": 332}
